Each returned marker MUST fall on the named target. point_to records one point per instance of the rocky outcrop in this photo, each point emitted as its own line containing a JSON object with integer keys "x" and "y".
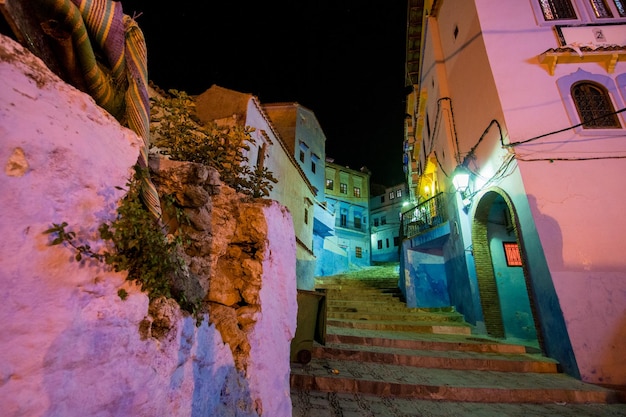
{"x": 70, "y": 345}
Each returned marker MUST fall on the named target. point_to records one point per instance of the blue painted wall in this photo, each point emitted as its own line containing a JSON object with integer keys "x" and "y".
{"x": 517, "y": 316}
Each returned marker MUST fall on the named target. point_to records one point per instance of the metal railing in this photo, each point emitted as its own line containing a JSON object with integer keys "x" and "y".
{"x": 350, "y": 225}
{"x": 424, "y": 216}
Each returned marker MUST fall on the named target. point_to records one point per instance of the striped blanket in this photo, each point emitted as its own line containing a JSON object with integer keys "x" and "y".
{"x": 105, "y": 52}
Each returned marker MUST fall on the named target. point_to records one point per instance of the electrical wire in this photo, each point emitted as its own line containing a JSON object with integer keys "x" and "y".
{"x": 521, "y": 142}
{"x": 591, "y": 158}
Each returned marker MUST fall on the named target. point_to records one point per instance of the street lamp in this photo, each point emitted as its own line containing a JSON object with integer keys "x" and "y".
{"x": 460, "y": 179}
{"x": 461, "y": 182}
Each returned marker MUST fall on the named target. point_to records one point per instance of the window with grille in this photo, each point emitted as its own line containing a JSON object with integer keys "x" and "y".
{"x": 602, "y": 9}
{"x": 554, "y": 11}
{"x": 594, "y": 106}
{"x": 557, "y": 9}
{"x": 512, "y": 254}
{"x": 358, "y": 251}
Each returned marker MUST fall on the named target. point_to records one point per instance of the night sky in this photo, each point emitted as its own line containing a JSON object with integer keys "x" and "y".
{"x": 342, "y": 59}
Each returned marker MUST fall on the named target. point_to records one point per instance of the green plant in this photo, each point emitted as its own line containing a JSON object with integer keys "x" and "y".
{"x": 140, "y": 246}
{"x": 178, "y": 133}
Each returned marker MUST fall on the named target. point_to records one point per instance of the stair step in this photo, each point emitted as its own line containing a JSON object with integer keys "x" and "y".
{"x": 362, "y": 295}
{"x": 422, "y": 341}
{"x": 317, "y": 403}
{"x": 419, "y": 327}
{"x": 393, "y": 304}
{"x": 445, "y": 384}
{"x": 396, "y": 316}
{"x": 438, "y": 359}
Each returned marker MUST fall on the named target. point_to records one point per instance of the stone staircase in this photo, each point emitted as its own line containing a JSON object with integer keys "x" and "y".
{"x": 377, "y": 348}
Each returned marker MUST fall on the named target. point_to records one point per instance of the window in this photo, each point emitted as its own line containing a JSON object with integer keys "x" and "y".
{"x": 396, "y": 241}
{"x": 594, "y": 106}
{"x": 557, "y": 9}
{"x": 314, "y": 160}
{"x": 357, "y": 222}
{"x": 330, "y": 184}
{"x": 260, "y": 157}
{"x": 306, "y": 216}
{"x": 512, "y": 254}
{"x": 358, "y": 251}
{"x": 343, "y": 188}
{"x": 391, "y": 195}
{"x": 602, "y": 8}
{"x": 387, "y": 242}
{"x": 590, "y": 100}
{"x": 357, "y": 192}
{"x": 399, "y": 193}
{"x": 383, "y": 220}
{"x": 303, "y": 150}
{"x": 376, "y": 221}
{"x": 380, "y": 244}
{"x": 382, "y": 198}
{"x": 343, "y": 220}
{"x": 577, "y": 11}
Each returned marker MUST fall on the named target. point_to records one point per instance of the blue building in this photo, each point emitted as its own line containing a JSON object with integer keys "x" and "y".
{"x": 347, "y": 198}
{"x": 385, "y": 212}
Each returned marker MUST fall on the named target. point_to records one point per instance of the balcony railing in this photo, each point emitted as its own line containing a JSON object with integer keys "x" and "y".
{"x": 424, "y": 216}
{"x": 350, "y": 225}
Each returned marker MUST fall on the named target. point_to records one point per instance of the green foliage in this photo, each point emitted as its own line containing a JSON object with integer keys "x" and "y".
{"x": 178, "y": 133}
{"x": 139, "y": 246}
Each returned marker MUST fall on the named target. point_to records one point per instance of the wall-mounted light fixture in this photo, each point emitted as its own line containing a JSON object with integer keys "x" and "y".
{"x": 461, "y": 181}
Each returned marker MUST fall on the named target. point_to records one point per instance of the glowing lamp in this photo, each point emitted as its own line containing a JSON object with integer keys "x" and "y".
{"x": 460, "y": 179}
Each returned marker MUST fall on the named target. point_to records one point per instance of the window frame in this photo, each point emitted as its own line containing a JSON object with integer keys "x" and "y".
{"x": 565, "y": 84}
{"x": 606, "y": 97}
{"x": 584, "y": 14}
{"x": 612, "y": 7}
{"x": 343, "y": 188}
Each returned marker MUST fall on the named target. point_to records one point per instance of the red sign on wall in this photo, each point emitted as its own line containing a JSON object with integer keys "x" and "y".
{"x": 512, "y": 254}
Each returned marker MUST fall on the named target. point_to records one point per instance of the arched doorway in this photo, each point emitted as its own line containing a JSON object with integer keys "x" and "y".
{"x": 503, "y": 280}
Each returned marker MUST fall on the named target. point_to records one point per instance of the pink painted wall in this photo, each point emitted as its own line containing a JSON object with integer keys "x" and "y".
{"x": 577, "y": 206}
